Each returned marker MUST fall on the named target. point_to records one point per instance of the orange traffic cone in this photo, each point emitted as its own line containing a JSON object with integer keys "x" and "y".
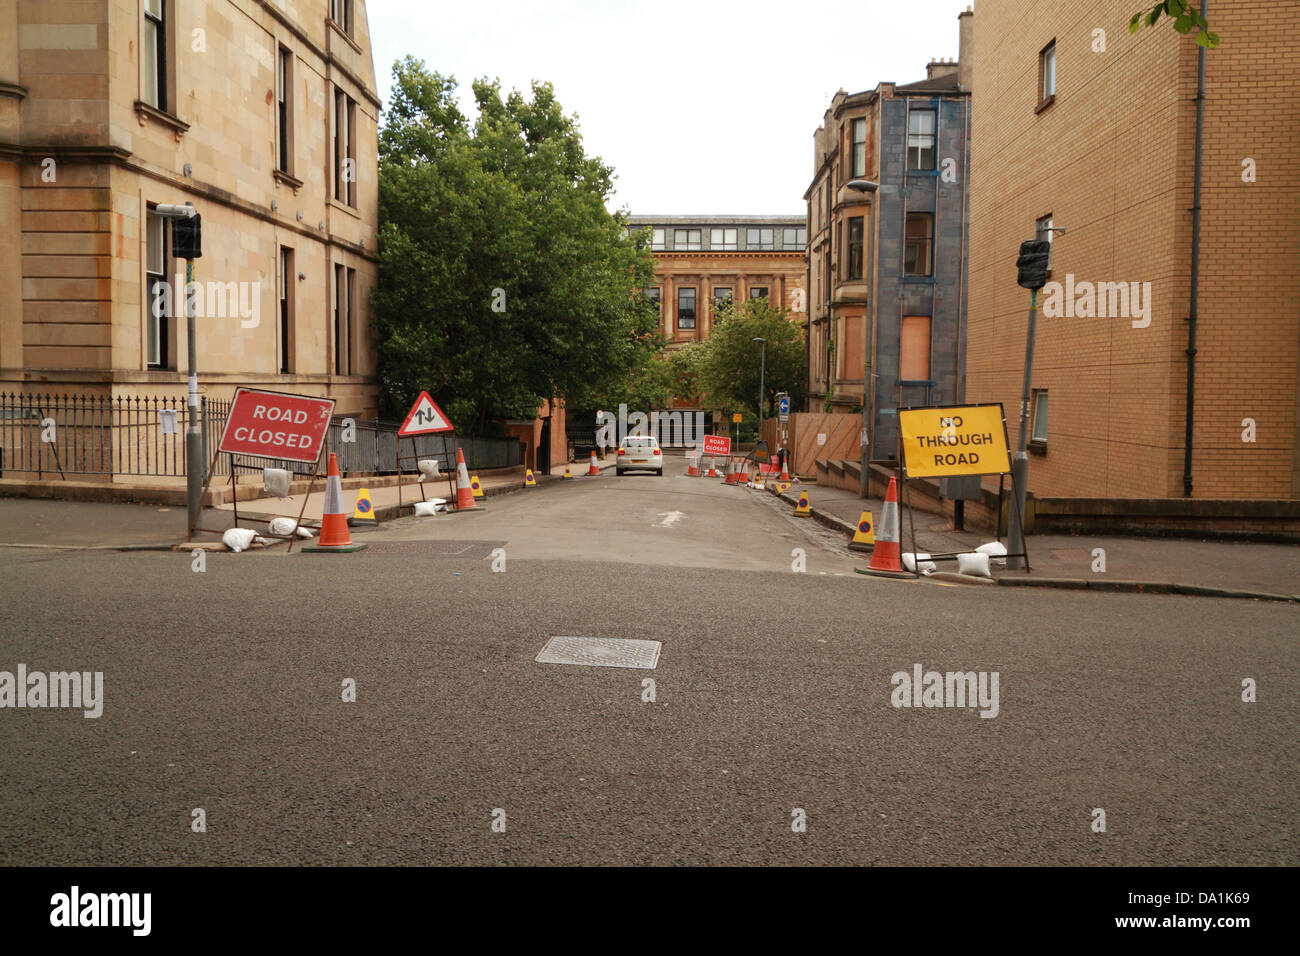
{"x": 885, "y": 558}
{"x": 713, "y": 471}
{"x": 595, "y": 468}
{"x": 731, "y": 471}
{"x": 785, "y": 469}
{"x": 692, "y": 467}
{"x": 334, "y": 535}
{"x": 464, "y": 492}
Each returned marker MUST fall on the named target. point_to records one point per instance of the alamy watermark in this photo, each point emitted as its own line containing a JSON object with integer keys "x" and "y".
{"x": 1098, "y": 300}
{"x": 672, "y": 429}
{"x": 211, "y": 300}
{"x": 950, "y": 689}
{"x": 77, "y": 690}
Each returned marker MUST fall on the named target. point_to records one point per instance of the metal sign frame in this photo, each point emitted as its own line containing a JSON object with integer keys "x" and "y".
{"x": 907, "y": 494}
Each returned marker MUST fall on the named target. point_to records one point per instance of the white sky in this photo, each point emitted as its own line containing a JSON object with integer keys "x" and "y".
{"x": 703, "y": 107}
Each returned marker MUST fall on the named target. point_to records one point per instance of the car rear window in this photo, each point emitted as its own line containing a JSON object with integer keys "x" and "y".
{"x": 639, "y": 442}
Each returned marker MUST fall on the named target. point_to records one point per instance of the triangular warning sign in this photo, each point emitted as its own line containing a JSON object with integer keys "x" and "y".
{"x": 425, "y": 417}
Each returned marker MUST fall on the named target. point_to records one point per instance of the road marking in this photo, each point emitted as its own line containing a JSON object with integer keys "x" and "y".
{"x": 670, "y": 518}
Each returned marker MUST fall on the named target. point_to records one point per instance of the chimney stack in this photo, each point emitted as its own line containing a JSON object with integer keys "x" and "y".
{"x": 966, "y": 49}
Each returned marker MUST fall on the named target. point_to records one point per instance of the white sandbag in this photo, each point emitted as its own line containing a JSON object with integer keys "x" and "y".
{"x": 426, "y": 508}
{"x": 927, "y": 566}
{"x": 997, "y": 552}
{"x": 241, "y": 539}
{"x": 276, "y": 481}
{"x": 428, "y": 469}
{"x": 974, "y": 563}
{"x": 285, "y": 526}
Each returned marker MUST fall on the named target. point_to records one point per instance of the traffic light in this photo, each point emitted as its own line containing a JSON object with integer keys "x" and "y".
{"x": 1032, "y": 263}
{"x": 187, "y": 237}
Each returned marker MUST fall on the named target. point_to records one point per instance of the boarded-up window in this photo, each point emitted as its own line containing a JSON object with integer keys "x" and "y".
{"x": 914, "y": 349}
{"x": 852, "y": 355}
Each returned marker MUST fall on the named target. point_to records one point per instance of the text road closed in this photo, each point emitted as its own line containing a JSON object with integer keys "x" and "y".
{"x": 276, "y": 425}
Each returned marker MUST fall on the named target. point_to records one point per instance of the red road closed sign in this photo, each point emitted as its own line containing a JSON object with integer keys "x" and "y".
{"x": 276, "y": 425}
{"x": 717, "y": 445}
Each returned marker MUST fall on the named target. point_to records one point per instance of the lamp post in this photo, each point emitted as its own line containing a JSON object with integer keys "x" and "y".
{"x": 762, "y": 370}
{"x": 868, "y": 392}
{"x": 187, "y": 246}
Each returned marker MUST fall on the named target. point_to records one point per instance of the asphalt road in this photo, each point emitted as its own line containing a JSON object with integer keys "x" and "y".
{"x": 223, "y": 691}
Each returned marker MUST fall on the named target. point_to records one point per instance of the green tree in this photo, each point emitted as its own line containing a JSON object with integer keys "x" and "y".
{"x": 503, "y": 280}
{"x": 729, "y": 359}
{"x": 1186, "y": 16}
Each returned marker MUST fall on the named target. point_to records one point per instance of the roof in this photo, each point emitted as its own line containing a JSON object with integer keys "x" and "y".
{"x": 940, "y": 84}
{"x": 750, "y": 220}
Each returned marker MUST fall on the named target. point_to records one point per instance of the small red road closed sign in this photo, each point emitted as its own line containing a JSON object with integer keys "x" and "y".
{"x": 717, "y": 445}
{"x": 276, "y": 425}
{"x": 424, "y": 418}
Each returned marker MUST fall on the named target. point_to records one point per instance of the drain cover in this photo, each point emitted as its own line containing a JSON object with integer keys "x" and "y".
{"x": 600, "y": 652}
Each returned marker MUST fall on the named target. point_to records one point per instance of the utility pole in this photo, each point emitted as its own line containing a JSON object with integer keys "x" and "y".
{"x": 187, "y": 244}
{"x": 1035, "y": 256}
{"x": 762, "y": 371}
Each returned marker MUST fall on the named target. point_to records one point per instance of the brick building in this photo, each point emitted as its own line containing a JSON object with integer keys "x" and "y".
{"x": 1078, "y": 123}
{"x": 264, "y": 116}
{"x": 701, "y": 260}
{"x": 886, "y": 269}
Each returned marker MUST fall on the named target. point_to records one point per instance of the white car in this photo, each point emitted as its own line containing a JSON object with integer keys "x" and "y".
{"x": 639, "y": 453}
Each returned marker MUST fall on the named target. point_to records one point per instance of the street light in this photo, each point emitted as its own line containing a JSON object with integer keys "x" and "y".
{"x": 762, "y": 369}
{"x": 868, "y": 393}
{"x": 193, "y": 441}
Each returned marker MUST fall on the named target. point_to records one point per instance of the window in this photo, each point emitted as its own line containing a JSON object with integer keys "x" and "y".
{"x": 286, "y": 310}
{"x": 1043, "y": 230}
{"x": 154, "y": 54}
{"x": 914, "y": 349}
{"x": 760, "y": 238}
{"x": 653, "y": 295}
{"x": 687, "y": 239}
{"x": 722, "y": 239}
{"x": 284, "y": 94}
{"x": 345, "y": 148}
{"x": 916, "y": 247}
{"x": 853, "y": 263}
{"x": 721, "y": 295}
{"x": 657, "y": 240}
{"x": 344, "y": 283}
{"x": 758, "y": 292}
{"x": 920, "y": 139}
{"x": 1047, "y": 74}
{"x": 341, "y": 13}
{"x": 686, "y": 308}
{"x": 158, "y": 298}
{"x": 1038, "y": 435}
{"x": 859, "y": 148}
{"x": 794, "y": 237}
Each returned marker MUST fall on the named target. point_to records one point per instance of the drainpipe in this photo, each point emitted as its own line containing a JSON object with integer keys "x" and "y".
{"x": 1196, "y": 267}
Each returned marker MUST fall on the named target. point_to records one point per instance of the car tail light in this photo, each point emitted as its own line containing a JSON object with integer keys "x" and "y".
{"x": 622, "y": 451}
{"x": 656, "y": 451}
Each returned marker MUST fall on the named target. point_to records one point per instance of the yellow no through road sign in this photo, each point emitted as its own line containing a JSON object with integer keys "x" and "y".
{"x": 954, "y": 440}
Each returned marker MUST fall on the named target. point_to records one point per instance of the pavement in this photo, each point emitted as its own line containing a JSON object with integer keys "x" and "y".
{"x": 773, "y": 699}
{"x": 1176, "y": 565}
{"x": 111, "y": 526}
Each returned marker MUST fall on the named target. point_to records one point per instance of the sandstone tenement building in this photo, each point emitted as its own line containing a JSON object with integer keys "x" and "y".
{"x": 263, "y": 114}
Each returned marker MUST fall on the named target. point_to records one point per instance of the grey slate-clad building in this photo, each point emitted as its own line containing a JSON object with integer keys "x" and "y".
{"x": 886, "y": 270}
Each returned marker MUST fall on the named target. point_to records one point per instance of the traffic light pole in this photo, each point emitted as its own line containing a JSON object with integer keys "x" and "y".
{"x": 1020, "y": 465}
{"x": 193, "y": 440}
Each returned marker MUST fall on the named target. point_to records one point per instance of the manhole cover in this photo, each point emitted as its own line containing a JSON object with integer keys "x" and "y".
{"x": 600, "y": 652}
